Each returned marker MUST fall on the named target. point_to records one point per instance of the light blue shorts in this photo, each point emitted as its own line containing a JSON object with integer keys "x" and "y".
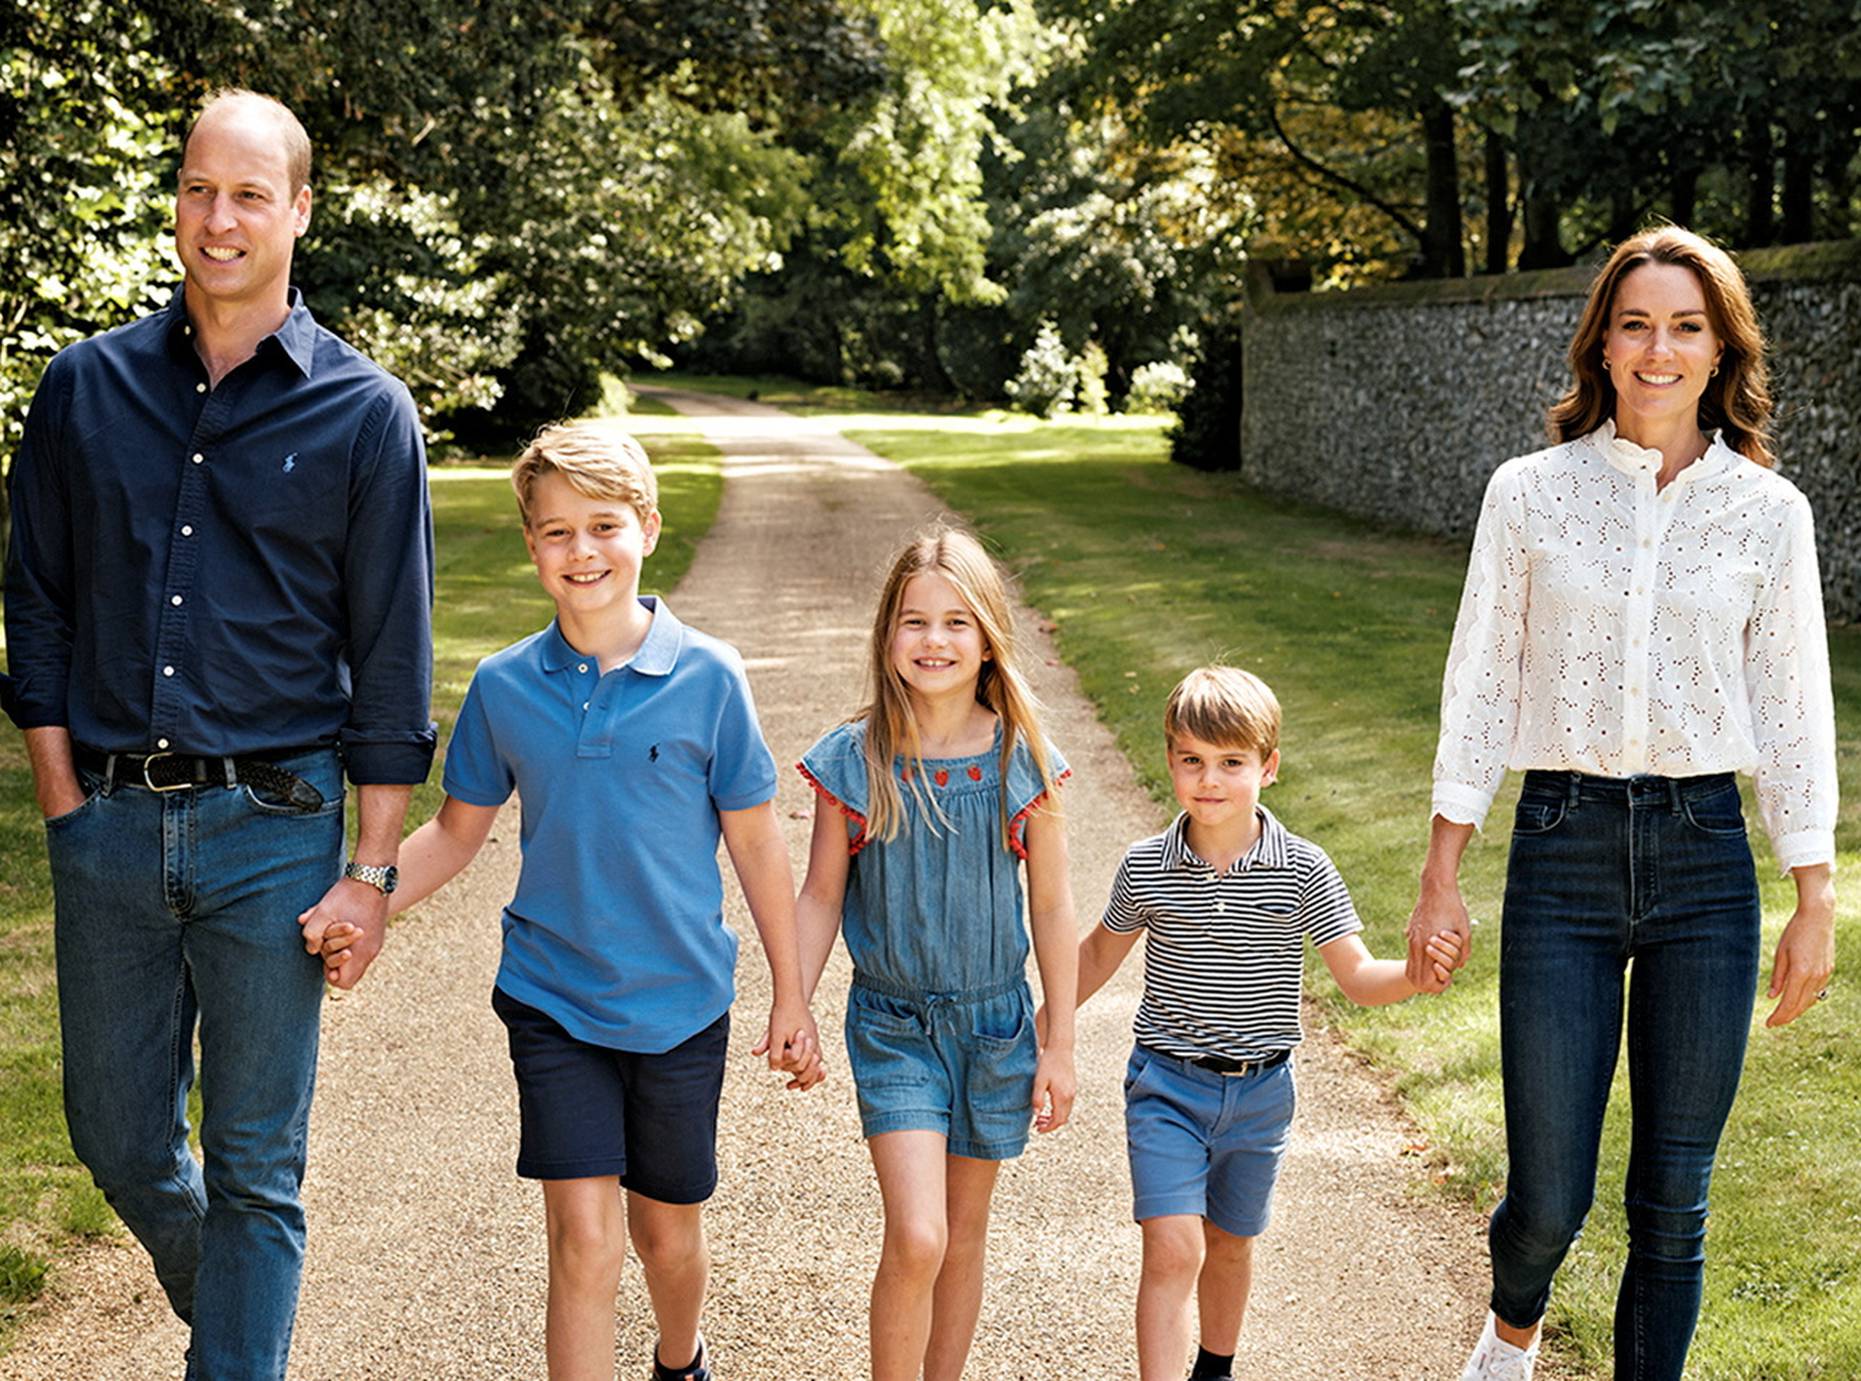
{"x": 1203, "y": 1143}
{"x": 959, "y": 1064}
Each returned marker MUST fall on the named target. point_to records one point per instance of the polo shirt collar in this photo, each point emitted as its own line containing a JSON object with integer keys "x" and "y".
{"x": 296, "y": 337}
{"x": 1269, "y": 850}
{"x": 1630, "y": 459}
{"x": 657, "y": 655}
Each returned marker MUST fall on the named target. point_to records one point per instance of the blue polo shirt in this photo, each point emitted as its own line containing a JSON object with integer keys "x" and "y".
{"x": 617, "y": 929}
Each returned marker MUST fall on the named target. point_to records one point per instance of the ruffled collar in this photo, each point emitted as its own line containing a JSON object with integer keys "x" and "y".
{"x": 1631, "y": 459}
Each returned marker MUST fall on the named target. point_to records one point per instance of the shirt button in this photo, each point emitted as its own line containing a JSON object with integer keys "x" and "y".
{"x": 198, "y": 457}
{"x": 187, "y": 529}
{"x": 1221, "y": 906}
{"x": 161, "y": 743}
{"x": 584, "y": 704}
{"x": 200, "y": 388}
{"x": 167, "y": 671}
{"x": 582, "y": 667}
{"x": 174, "y": 599}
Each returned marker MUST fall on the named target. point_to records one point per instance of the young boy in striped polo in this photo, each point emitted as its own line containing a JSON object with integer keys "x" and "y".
{"x": 1227, "y": 896}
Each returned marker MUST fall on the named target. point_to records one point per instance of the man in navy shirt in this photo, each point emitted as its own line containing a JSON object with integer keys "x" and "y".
{"x": 218, "y": 592}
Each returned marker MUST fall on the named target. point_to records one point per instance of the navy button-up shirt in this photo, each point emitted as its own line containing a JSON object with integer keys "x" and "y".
{"x": 223, "y": 570}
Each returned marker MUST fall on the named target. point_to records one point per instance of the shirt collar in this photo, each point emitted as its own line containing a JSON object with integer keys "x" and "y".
{"x": 1631, "y": 459}
{"x": 1269, "y": 850}
{"x": 657, "y": 655}
{"x": 296, "y": 337}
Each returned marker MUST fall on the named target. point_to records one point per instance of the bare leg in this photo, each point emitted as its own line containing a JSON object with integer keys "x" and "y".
{"x": 1221, "y": 1292}
{"x": 968, "y": 1185}
{"x": 587, "y": 1243}
{"x": 911, "y": 1182}
{"x": 1173, "y": 1247}
{"x": 669, "y": 1239}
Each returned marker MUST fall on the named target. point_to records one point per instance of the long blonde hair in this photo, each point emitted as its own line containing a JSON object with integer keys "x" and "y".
{"x": 1737, "y": 397}
{"x": 892, "y": 729}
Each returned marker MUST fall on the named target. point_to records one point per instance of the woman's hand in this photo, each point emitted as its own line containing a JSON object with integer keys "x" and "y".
{"x": 1806, "y": 952}
{"x": 1439, "y": 909}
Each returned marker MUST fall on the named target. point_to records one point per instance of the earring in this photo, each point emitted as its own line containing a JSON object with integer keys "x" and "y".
{"x": 1605, "y": 362}
{"x": 1715, "y": 372}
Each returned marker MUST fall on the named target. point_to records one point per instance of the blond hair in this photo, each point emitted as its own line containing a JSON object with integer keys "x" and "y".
{"x": 598, "y": 459}
{"x": 1737, "y": 397}
{"x": 1224, "y": 706}
{"x": 891, "y": 727}
{"x": 296, "y": 140}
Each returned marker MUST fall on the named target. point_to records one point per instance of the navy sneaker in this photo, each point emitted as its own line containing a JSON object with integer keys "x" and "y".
{"x": 699, "y": 1370}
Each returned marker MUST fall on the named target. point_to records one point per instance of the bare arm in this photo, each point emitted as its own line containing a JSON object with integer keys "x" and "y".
{"x": 438, "y": 851}
{"x": 1372, "y": 982}
{"x": 380, "y": 811}
{"x": 1806, "y": 950}
{"x": 759, "y": 854}
{"x": 817, "y": 910}
{"x": 54, "y": 770}
{"x": 1439, "y": 909}
{"x": 1100, "y": 954}
{"x": 1056, "y": 954}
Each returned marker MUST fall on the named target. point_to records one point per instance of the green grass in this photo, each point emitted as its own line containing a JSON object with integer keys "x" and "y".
{"x": 1149, "y": 569}
{"x": 487, "y": 596}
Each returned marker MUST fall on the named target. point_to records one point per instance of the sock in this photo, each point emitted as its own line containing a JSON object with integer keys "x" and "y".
{"x": 1210, "y": 1364}
{"x": 661, "y": 1372}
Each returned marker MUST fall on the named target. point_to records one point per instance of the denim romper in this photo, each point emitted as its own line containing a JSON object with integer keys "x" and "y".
{"x": 939, "y": 1022}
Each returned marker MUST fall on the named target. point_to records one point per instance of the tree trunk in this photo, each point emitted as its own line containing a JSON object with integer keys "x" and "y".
{"x": 1498, "y": 204}
{"x": 1799, "y": 180}
{"x": 1443, "y": 253}
{"x": 1684, "y": 196}
{"x": 1761, "y": 194}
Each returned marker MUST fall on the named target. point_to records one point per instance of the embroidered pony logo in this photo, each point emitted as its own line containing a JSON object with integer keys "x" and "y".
{"x": 653, "y": 754}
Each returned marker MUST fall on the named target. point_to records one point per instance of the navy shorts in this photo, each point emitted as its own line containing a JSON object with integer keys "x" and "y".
{"x": 588, "y": 1110}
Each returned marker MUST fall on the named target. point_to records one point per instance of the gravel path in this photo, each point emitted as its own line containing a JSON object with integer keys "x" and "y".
{"x": 426, "y": 1253}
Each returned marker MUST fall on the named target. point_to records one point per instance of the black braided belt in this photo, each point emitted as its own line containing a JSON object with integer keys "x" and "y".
{"x": 182, "y": 771}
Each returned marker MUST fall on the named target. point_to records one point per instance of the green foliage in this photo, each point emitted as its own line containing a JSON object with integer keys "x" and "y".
{"x": 1159, "y": 386}
{"x": 1207, "y": 434}
{"x": 1048, "y": 379}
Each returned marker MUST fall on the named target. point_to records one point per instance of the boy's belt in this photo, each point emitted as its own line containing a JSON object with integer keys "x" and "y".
{"x": 1221, "y": 1064}
{"x": 179, "y": 771}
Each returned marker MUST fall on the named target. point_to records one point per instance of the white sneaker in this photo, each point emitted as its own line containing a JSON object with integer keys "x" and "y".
{"x": 1494, "y": 1359}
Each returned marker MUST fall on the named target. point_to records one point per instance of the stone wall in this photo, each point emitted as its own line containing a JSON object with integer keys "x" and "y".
{"x": 1396, "y": 402}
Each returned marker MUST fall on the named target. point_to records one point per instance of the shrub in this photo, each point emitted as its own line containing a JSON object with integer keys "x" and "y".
{"x": 1091, "y": 397}
{"x": 1207, "y": 434}
{"x": 1048, "y": 379}
{"x": 1159, "y": 386}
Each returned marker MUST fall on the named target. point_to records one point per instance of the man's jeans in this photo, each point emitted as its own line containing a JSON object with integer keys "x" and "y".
{"x": 179, "y": 906}
{"x": 1603, "y": 872}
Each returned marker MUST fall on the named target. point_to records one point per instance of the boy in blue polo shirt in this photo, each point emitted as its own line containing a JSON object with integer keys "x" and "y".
{"x": 633, "y": 744}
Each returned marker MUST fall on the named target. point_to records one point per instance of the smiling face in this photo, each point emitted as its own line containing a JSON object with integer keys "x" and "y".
{"x": 1219, "y": 785}
{"x": 937, "y": 646}
{"x": 237, "y": 218}
{"x": 1660, "y": 347}
{"x": 588, "y": 551}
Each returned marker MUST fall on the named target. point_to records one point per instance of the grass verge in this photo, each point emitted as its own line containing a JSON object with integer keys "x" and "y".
{"x": 487, "y": 596}
{"x": 1149, "y": 569}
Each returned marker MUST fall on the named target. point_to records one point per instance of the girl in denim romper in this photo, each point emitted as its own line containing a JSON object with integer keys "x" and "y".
{"x": 929, "y": 802}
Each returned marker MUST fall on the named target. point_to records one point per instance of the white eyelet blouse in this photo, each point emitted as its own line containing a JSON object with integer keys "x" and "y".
{"x": 1611, "y": 629}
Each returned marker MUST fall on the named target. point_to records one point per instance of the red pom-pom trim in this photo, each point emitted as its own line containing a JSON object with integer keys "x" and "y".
{"x": 1017, "y": 827}
{"x": 858, "y": 841}
{"x": 975, "y": 774}
{"x": 943, "y": 776}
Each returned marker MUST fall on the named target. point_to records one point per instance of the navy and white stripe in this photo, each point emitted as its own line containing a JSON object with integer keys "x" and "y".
{"x": 1224, "y": 953}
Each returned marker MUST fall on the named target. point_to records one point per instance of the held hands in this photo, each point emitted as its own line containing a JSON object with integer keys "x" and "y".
{"x": 346, "y": 928}
{"x": 1440, "y": 937}
{"x": 1055, "y": 1085}
{"x": 793, "y": 1045}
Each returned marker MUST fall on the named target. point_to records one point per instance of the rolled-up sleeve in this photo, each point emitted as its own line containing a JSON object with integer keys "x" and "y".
{"x": 388, "y": 590}
{"x": 39, "y": 565}
{"x": 1792, "y": 705}
{"x": 1480, "y": 690}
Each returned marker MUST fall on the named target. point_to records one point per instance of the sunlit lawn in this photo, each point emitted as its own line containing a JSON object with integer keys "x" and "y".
{"x": 487, "y": 597}
{"x": 1149, "y": 569}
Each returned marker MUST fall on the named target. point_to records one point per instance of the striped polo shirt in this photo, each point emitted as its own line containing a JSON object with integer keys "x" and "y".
{"x": 1224, "y": 952}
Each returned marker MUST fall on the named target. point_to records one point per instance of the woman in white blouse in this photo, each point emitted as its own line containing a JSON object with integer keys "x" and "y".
{"x": 1642, "y": 619}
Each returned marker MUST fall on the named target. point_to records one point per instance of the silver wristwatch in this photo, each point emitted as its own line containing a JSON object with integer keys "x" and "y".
{"x": 383, "y": 877}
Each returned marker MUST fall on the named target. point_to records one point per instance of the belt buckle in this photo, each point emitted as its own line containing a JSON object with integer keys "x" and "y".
{"x": 177, "y": 786}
